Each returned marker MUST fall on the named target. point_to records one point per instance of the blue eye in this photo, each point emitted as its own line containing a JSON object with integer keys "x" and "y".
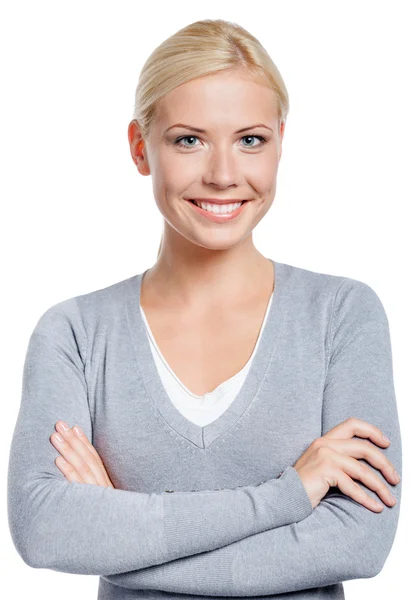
{"x": 259, "y": 137}
{"x": 187, "y": 137}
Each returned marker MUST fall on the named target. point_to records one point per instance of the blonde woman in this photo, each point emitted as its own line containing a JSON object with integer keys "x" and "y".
{"x": 221, "y": 419}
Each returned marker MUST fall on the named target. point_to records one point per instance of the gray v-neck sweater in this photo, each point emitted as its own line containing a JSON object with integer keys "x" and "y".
{"x": 240, "y": 522}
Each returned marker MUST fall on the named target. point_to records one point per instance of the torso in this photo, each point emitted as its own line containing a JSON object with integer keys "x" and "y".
{"x": 206, "y": 350}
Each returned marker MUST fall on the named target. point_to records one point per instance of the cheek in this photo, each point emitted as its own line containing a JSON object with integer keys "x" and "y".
{"x": 263, "y": 177}
{"x": 174, "y": 175}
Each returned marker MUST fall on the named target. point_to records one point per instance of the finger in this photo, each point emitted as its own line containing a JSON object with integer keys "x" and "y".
{"x": 68, "y": 470}
{"x": 367, "y": 450}
{"x": 82, "y": 436}
{"x": 359, "y": 428}
{"x": 361, "y": 472}
{"x": 75, "y": 454}
{"x": 87, "y": 462}
{"x": 352, "y": 489}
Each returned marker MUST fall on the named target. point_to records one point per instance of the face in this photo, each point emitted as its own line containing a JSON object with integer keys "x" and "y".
{"x": 218, "y": 163}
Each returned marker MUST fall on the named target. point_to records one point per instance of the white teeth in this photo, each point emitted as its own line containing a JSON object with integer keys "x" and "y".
{"x": 218, "y": 208}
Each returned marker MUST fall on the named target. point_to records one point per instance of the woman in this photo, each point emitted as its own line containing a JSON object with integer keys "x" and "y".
{"x": 256, "y": 390}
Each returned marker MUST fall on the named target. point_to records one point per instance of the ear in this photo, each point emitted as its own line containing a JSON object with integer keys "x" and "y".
{"x": 137, "y": 145}
{"x": 281, "y": 132}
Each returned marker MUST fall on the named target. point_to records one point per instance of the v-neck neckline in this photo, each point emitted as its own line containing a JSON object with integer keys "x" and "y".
{"x": 205, "y": 436}
{"x": 220, "y": 390}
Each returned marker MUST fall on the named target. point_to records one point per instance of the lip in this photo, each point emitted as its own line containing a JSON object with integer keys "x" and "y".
{"x": 216, "y": 201}
{"x": 218, "y": 218}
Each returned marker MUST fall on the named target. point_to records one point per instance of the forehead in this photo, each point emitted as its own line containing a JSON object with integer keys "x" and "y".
{"x": 220, "y": 100}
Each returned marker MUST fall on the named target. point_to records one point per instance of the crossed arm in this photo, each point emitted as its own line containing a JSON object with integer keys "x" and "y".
{"x": 341, "y": 539}
{"x": 89, "y": 529}
{"x": 278, "y": 545}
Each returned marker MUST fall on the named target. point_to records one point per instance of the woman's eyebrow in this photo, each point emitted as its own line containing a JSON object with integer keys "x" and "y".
{"x": 204, "y": 131}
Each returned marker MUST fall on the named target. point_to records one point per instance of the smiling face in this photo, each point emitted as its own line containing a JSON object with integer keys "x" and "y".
{"x": 219, "y": 162}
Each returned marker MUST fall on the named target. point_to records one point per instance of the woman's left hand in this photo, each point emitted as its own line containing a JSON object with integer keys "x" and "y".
{"x": 79, "y": 461}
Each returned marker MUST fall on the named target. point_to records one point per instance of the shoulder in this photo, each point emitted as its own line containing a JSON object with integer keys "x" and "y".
{"x": 346, "y": 294}
{"x": 346, "y": 303}
{"x": 75, "y": 317}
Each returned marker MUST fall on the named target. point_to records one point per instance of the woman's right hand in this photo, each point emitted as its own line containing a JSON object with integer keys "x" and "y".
{"x": 330, "y": 461}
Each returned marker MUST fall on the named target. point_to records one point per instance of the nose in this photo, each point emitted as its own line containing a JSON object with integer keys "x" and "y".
{"x": 221, "y": 168}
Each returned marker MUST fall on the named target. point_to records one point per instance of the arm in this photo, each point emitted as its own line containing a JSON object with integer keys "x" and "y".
{"x": 341, "y": 539}
{"x": 89, "y": 529}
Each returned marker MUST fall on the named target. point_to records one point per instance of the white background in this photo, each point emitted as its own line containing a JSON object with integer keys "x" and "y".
{"x": 76, "y": 216}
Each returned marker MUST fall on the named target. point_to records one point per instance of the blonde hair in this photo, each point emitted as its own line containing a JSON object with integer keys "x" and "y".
{"x": 199, "y": 49}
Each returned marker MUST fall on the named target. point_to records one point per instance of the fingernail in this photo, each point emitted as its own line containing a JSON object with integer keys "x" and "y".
{"x": 384, "y": 437}
{"x": 78, "y": 431}
{"x": 59, "y": 438}
{"x": 63, "y": 426}
{"x": 396, "y": 475}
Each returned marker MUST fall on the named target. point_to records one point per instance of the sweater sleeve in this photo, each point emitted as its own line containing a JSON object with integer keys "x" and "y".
{"x": 89, "y": 529}
{"x": 341, "y": 539}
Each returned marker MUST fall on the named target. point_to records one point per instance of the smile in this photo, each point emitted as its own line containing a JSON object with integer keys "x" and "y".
{"x": 218, "y": 212}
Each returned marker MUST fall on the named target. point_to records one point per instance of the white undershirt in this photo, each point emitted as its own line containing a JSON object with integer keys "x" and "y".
{"x": 201, "y": 410}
